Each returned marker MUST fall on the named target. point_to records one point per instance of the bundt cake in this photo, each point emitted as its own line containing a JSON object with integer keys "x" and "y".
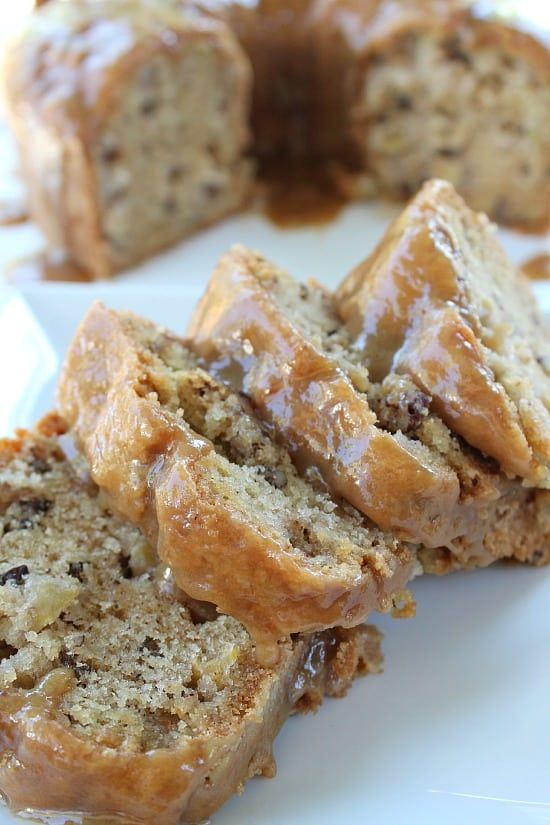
{"x": 439, "y": 301}
{"x": 132, "y": 119}
{"x": 377, "y": 444}
{"x": 118, "y": 699}
{"x": 184, "y": 459}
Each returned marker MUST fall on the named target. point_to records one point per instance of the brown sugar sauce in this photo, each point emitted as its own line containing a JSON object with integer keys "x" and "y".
{"x": 298, "y": 195}
{"x": 44, "y": 267}
{"x": 537, "y": 268}
{"x": 13, "y": 212}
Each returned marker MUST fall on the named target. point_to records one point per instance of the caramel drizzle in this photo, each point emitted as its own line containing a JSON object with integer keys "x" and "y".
{"x": 538, "y": 267}
{"x": 45, "y": 267}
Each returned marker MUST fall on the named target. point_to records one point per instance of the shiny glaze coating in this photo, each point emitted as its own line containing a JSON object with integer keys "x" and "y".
{"x": 310, "y": 59}
{"x": 410, "y": 307}
{"x": 446, "y": 360}
{"x": 65, "y": 76}
{"x": 101, "y": 722}
{"x": 315, "y": 410}
{"x": 47, "y": 767}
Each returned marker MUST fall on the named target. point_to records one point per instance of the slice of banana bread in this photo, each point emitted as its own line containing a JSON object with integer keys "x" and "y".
{"x": 284, "y": 346}
{"x": 116, "y": 696}
{"x": 439, "y": 301}
{"x": 185, "y": 459}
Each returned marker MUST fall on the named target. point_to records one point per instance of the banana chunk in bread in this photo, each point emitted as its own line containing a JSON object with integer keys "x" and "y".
{"x": 116, "y": 696}
{"x": 284, "y": 346}
{"x": 132, "y": 126}
{"x": 183, "y": 458}
{"x": 439, "y": 302}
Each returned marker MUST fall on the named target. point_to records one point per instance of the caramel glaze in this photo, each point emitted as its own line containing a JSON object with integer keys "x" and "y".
{"x": 162, "y": 476}
{"x": 45, "y": 266}
{"x": 412, "y": 265}
{"x": 415, "y": 273}
{"x": 300, "y": 195}
{"x": 309, "y": 403}
{"x": 310, "y": 58}
{"x": 446, "y": 360}
{"x": 537, "y": 268}
{"x": 46, "y": 767}
{"x": 13, "y": 212}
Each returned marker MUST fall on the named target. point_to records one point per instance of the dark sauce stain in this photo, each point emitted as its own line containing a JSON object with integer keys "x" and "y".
{"x": 45, "y": 267}
{"x": 300, "y": 195}
{"x": 537, "y": 268}
{"x": 13, "y": 212}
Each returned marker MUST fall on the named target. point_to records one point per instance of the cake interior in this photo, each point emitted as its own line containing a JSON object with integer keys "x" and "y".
{"x": 170, "y": 157}
{"x": 73, "y": 584}
{"x": 442, "y": 105}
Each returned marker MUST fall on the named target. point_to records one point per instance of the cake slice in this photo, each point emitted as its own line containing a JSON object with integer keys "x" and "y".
{"x": 131, "y": 121}
{"x": 116, "y": 698}
{"x": 376, "y": 445}
{"x": 182, "y": 457}
{"x": 439, "y": 301}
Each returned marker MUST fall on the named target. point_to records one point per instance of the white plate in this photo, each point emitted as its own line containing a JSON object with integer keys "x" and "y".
{"x": 457, "y": 728}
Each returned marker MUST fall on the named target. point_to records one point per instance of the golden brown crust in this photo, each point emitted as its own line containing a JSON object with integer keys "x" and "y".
{"x": 245, "y": 336}
{"x": 309, "y": 60}
{"x": 158, "y": 474}
{"x": 116, "y": 36}
{"x": 443, "y": 353}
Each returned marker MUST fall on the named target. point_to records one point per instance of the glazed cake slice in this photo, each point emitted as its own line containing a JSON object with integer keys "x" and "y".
{"x": 438, "y": 301}
{"x": 182, "y": 457}
{"x": 116, "y": 698}
{"x": 132, "y": 126}
{"x": 378, "y": 446}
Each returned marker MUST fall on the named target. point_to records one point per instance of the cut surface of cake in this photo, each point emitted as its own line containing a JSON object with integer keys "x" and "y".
{"x": 118, "y": 698}
{"x": 132, "y": 119}
{"x": 185, "y": 459}
{"x": 443, "y": 88}
{"x": 379, "y": 445}
{"x": 438, "y": 301}
{"x": 132, "y": 122}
